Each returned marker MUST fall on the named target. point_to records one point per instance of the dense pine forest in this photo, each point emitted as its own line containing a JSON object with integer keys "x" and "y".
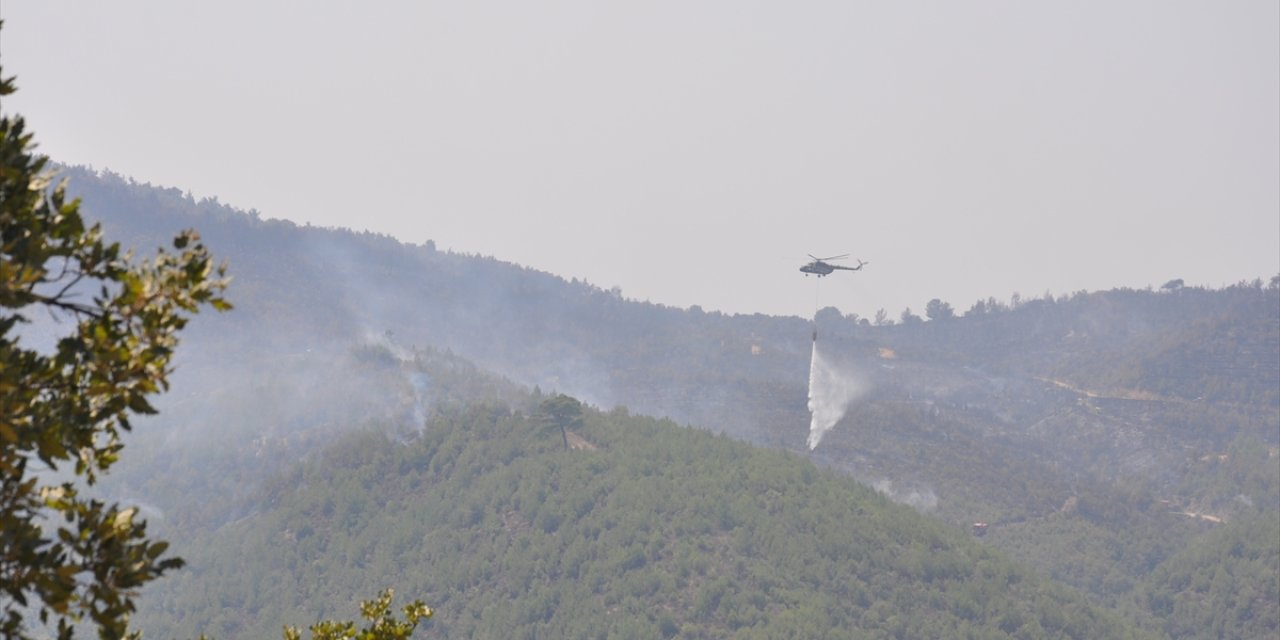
{"x": 378, "y": 414}
{"x": 641, "y": 529}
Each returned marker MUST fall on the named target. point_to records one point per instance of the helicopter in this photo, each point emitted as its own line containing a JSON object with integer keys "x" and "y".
{"x": 821, "y": 267}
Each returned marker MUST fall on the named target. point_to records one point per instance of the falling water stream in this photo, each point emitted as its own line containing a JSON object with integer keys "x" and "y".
{"x": 830, "y": 392}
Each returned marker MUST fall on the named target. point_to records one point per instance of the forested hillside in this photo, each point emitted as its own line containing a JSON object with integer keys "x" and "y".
{"x": 1218, "y": 587}
{"x": 642, "y": 530}
{"x": 1099, "y": 435}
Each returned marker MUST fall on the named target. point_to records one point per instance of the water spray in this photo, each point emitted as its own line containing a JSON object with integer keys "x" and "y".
{"x": 830, "y": 390}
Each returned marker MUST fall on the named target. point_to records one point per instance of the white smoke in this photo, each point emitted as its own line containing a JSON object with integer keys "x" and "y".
{"x": 919, "y": 499}
{"x": 421, "y": 383}
{"x": 830, "y": 393}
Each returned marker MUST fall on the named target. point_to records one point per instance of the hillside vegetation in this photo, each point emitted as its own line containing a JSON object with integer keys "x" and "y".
{"x": 1098, "y": 435}
{"x": 655, "y": 531}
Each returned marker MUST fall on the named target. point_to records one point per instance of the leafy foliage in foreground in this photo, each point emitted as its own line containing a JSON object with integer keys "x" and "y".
{"x": 657, "y": 532}
{"x": 65, "y": 557}
{"x": 382, "y": 623}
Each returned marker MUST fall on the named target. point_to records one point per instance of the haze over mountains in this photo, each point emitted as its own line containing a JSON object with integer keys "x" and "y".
{"x": 391, "y": 400}
{"x": 694, "y": 154}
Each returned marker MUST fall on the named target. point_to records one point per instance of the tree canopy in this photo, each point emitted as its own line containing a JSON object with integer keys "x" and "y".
{"x": 65, "y": 557}
{"x": 383, "y": 624}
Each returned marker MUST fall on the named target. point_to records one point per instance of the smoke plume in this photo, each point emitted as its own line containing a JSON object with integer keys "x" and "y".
{"x": 921, "y": 499}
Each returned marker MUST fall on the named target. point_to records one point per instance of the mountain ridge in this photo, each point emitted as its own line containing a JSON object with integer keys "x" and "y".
{"x": 973, "y": 417}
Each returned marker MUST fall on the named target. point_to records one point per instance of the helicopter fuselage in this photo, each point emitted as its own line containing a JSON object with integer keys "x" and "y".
{"x": 818, "y": 268}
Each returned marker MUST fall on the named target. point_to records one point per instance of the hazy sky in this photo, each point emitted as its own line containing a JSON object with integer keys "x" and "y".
{"x": 694, "y": 152}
